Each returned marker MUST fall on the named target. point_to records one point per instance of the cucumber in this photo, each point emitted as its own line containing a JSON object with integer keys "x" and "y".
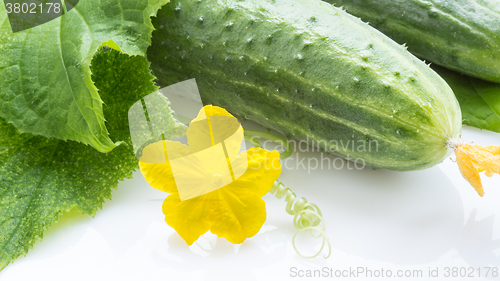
{"x": 462, "y": 35}
{"x": 312, "y": 72}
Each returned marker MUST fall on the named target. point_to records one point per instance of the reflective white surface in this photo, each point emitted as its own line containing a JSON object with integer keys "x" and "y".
{"x": 424, "y": 220}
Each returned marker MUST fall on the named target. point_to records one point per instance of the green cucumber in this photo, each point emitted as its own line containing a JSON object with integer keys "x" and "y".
{"x": 462, "y": 35}
{"x": 312, "y": 72}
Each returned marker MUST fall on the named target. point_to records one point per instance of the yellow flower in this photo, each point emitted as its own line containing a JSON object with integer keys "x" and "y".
{"x": 213, "y": 185}
{"x": 474, "y": 159}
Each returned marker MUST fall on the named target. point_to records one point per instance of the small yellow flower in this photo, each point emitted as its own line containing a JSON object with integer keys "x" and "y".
{"x": 474, "y": 159}
{"x": 209, "y": 192}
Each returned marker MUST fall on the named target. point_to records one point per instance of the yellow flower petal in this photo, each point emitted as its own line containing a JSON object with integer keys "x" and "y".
{"x": 215, "y": 125}
{"x": 201, "y": 172}
{"x": 235, "y": 211}
{"x": 189, "y": 218}
{"x": 210, "y": 110}
{"x": 264, "y": 168}
{"x": 236, "y": 216}
{"x": 473, "y": 159}
{"x": 155, "y": 167}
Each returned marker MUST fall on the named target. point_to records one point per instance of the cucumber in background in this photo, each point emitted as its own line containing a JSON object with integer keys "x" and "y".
{"x": 312, "y": 72}
{"x": 462, "y": 35}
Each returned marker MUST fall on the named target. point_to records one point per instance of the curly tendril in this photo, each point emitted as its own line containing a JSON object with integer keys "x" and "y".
{"x": 307, "y": 216}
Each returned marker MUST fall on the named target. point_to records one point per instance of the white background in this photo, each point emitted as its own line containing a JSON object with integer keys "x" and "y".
{"x": 375, "y": 219}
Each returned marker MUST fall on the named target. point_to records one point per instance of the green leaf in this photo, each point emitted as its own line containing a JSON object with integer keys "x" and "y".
{"x": 479, "y": 99}
{"x": 40, "y": 178}
{"x": 45, "y": 80}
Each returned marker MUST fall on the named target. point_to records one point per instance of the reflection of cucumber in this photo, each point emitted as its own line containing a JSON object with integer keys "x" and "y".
{"x": 463, "y": 35}
{"x": 311, "y": 72}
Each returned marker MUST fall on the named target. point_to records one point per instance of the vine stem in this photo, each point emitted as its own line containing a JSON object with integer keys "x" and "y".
{"x": 251, "y": 135}
{"x": 307, "y": 216}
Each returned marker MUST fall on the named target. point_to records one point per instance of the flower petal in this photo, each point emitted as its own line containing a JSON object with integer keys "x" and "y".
{"x": 211, "y": 110}
{"x": 473, "y": 159}
{"x": 469, "y": 172}
{"x": 263, "y": 169}
{"x": 215, "y": 125}
{"x": 156, "y": 169}
{"x": 236, "y": 211}
{"x": 236, "y": 216}
{"x": 189, "y": 217}
{"x": 201, "y": 172}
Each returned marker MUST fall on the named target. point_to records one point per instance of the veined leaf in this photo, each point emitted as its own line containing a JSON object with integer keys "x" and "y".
{"x": 479, "y": 99}
{"x": 45, "y": 80}
{"x": 40, "y": 178}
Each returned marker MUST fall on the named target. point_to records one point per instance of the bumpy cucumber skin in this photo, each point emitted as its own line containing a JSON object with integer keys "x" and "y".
{"x": 463, "y": 35}
{"x": 312, "y": 72}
